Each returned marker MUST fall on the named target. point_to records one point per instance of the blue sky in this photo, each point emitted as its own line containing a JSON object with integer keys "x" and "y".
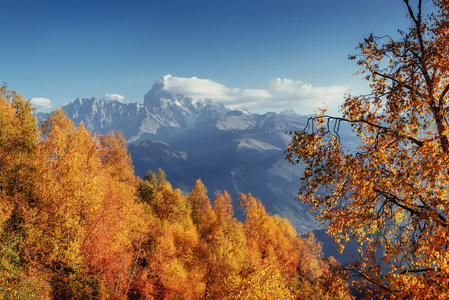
{"x": 261, "y": 55}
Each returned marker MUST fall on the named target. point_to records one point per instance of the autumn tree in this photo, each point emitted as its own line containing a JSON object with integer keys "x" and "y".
{"x": 20, "y": 278}
{"x": 224, "y": 250}
{"x": 201, "y": 209}
{"x": 279, "y": 262}
{"x": 390, "y": 194}
{"x": 89, "y": 221}
{"x": 170, "y": 268}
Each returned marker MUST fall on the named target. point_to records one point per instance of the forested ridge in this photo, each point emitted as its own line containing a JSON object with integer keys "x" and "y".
{"x": 76, "y": 223}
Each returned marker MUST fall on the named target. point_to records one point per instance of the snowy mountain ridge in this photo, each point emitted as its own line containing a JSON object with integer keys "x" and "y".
{"x": 141, "y": 121}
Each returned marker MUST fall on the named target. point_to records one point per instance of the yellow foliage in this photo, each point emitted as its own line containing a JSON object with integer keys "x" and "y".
{"x": 265, "y": 282}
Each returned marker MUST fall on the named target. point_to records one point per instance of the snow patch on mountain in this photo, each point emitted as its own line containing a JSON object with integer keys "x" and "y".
{"x": 249, "y": 143}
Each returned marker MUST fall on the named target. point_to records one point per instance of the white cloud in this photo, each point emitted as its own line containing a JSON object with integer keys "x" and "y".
{"x": 280, "y": 94}
{"x": 41, "y": 103}
{"x": 198, "y": 88}
{"x": 112, "y": 97}
{"x": 285, "y": 85}
{"x": 258, "y": 94}
{"x": 303, "y": 96}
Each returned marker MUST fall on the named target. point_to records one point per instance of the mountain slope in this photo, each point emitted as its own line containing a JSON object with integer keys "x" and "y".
{"x": 189, "y": 139}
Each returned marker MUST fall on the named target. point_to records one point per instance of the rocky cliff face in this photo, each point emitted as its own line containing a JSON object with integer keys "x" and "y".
{"x": 160, "y": 110}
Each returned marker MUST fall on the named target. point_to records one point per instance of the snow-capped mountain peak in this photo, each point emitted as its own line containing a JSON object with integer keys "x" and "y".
{"x": 161, "y": 109}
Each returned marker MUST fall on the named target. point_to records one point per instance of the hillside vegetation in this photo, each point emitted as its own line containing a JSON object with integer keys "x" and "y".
{"x": 76, "y": 223}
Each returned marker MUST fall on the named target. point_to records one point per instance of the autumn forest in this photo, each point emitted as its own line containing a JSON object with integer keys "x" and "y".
{"x": 76, "y": 223}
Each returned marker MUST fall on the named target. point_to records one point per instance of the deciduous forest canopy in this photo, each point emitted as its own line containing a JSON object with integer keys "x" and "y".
{"x": 391, "y": 193}
{"x": 75, "y": 223}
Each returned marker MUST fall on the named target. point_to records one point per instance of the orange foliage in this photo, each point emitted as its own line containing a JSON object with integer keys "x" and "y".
{"x": 199, "y": 251}
{"x": 390, "y": 194}
{"x": 76, "y": 216}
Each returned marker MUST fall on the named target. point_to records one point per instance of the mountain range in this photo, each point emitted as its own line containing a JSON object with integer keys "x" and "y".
{"x": 227, "y": 149}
